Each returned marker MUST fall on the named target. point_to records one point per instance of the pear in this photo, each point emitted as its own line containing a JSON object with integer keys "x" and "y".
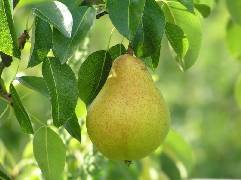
{"x": 128, "y": 119}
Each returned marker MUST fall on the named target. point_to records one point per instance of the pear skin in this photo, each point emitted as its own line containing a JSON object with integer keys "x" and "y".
{"x": 129, "y": 118}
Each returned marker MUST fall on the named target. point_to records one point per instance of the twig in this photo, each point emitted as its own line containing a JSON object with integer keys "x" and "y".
{"x": 98, "y": 16}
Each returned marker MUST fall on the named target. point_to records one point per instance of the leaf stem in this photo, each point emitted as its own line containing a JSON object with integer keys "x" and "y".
{"x": 109, "y": 41}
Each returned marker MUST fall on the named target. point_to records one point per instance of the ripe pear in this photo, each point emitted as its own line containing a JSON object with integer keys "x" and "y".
{"x": 129, "y": 118}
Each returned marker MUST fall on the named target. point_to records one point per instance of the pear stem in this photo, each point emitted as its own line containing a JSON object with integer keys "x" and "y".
{"x": 130, "y": 50}
{"x": 128, "y": 162}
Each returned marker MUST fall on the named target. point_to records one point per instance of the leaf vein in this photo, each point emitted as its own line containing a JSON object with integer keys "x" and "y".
{"x": 55, "y": 89}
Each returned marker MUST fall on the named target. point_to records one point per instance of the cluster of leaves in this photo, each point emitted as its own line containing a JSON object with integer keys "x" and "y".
{"x": 58, "y": 29}
{"x": 144, "y": 23}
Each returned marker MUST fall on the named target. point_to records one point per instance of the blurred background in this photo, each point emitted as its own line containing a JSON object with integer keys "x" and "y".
{"x": 205, "y": 141}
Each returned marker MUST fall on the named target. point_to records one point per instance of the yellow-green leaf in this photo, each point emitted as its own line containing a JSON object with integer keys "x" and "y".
{"x": 8, "y": 38}
{"x": 49, "y": 152}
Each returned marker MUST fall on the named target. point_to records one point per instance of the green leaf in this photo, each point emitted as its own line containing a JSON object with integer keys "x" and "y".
{"x": 117, "y": 50}
{"x": 169, "y": 167}
{"x": 203, "y": 9}
{"x": 38, "y": 84}
{"x": 41, "y": 41}
{"x": 62, "y": 87}
{"x": 178, "y": 150}
{"x": 3, "y": 90}
{"x": 234, "y": 7}
{"x": 57, "y": 14}
{"x": 204, "y": 6}
{"x": 5, "y": 111}
{"x": 126, "y": 15}
{"x": 3, "y": 174}
{"x": 63, "y": 47}
{"x": 177, "y": 14}
{"x": 23, "y": 3}
{"x": 233, "y": 37}
{"x": 149, "y": 36}
{"x": 71, "y": 4}
{"x": 49, "y": 152}
{"x": 73, "y": 127}
{"x": 177, "y": 39}
{"x": 8, "y": 38}
{"x": 20, "y": 112}
{"x": 93, "y": 74}
{"x": 188, "y": 3}
{"x": 237, "y": 91}
{"x": 34, "y": 83}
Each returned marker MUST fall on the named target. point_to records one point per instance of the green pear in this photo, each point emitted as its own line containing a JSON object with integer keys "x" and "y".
{"x": 129, "y": 118}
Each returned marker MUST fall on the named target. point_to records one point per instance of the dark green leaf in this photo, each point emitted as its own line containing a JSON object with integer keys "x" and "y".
{"x": 3, "y": 174}
{"x": 57, "y": 14}
{"x": 62, "y": 87}
{"x": 73, "y": 5}
{"x": 49, "y": 152}
{"x": 63, "y": 47}
{"x": 149, "y": 36}
{"x": 188, "y": 3}
{"x": 233, "y": 37}
{"x": 93, "y": 74}
{"x": 73, "y": 127}
{"x": 176, "y": 37}
{"x": 203, "y": 9}
{"x": 117, "y": 50}
{"x": 8, "y": 38}
{"x": 169, "y": 167}
{"x": 41, "y": 41}
{"x": 91, "y": 2}
{"x": 20, "y": 112}
{"x": 126, "y": 15}
{"x": 204, "y": 6}
{"x": 34, "y": 83}
{"x": 177, "y": 14}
